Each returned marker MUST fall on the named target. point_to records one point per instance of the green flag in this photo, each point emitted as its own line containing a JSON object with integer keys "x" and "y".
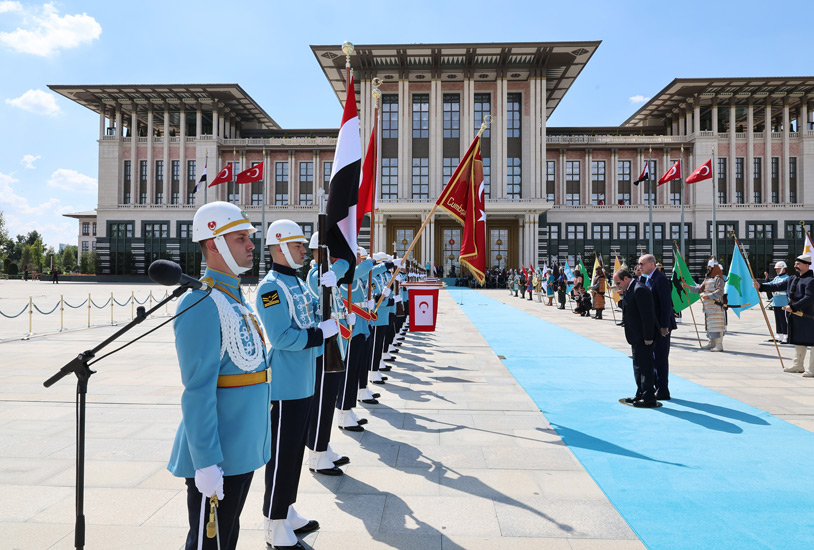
{"x": 681, "y": 273}
{"x": 586, "y": 278}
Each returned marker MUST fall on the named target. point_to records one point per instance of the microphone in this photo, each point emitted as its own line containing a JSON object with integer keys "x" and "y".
{"x": 167, "y": 273}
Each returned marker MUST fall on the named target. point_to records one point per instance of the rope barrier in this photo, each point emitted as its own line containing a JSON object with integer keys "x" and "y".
{"x": 14, "y": 316}
{"x": 124, "y": 304}
{"x": 141, "y": 303}
{"x": 77, "y": 307}
{"x": 102, "y": 306}
{"x": 44, "y": 313}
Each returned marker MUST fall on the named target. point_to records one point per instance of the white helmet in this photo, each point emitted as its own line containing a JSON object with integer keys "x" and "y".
{"x": 361, "y": 251}
{"x": 283, "y": 232}
{"x": 314, "y": 244}
{"x": 216, "y": 219}
{"x": 780, "y": 265}
{"x": 382, "y": 257}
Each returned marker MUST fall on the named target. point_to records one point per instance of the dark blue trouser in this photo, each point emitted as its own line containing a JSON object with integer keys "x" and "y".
{"x": 661, "y": 364}
{"x": 235, "y": 489}
{"x": 643, "y": 371}
{"x": 289, "y": 427}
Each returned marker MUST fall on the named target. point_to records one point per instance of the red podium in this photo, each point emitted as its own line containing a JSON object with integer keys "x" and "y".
{"x": 423, "y": 305}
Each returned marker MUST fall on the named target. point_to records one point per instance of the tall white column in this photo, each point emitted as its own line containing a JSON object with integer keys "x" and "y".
{"x": 198, "y": 122}
{"x": 715, "y": 118}
{"x": 405, "y": 140}
{"x": 696, "y": 118}
{"x": 292, "y": 175}
{"x": 435, "y": 170}
{"x": 215, "y": 122}
{"x": 680, "y": 125}
{"x": 102, "y": 117}
{"x": 785, "y": 187}
{"x": 613, "y": 188}
{"x": 541, "y": 123}
{"x": 150, "y": 166}
{"x": 561, "y": 187}
{"x": 134, "y": 161}
{"x": 182, "y": 158}
{"x": 733, "y": 154}
{"x": 767, "y": 156}
{"x": 166, "y": 157}
{"x": 749, "y": 168}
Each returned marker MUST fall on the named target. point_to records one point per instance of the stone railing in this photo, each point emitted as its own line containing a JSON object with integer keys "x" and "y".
{"x": 582, "y": 140}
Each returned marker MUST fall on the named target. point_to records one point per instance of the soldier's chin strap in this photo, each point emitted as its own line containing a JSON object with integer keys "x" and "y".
{"x": 288, "y": 258}
{"x": 223, "y": 248}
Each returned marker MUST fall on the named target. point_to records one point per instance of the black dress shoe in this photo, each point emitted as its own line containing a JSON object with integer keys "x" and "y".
{"x": 369, "y": 402}
{"x": 380, "y": 382}
{"x": 312, "y": 524}
{"x": 341, "y": 461}
{"x": 376, "y": 395}
{"x": 385, "y": 369}
{"x": 631, "y": 400}
{"x": 328, "y": 472}
{"x": 362, "y": 421}
{"x": 297, "y": 546}
{"x": 662, "y": 397}
{"x": 642, "y": 404}
{"x": 356, "y": 428}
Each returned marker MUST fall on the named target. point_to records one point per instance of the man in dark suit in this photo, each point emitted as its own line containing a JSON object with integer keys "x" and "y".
{"x": 661, "y": 289}
{"x": 641, "y": 327}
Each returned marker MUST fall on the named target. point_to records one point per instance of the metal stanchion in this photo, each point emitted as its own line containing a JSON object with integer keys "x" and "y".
{"x": 111, "y": 309}
{"x": 132, "y": 305}
{"x": 61, "y": 313}
{"x": 89, "y": 302}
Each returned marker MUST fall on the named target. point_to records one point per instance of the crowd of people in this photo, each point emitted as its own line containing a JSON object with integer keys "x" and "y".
{"x": 263, "y": 384}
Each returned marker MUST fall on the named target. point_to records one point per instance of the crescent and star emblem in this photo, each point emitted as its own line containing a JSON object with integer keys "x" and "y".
{"x": 704, "y": 170}
{"x": 211, "y": 225}
{"x": 254, "y": 172}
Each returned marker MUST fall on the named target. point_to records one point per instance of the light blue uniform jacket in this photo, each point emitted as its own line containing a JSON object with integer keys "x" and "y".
{"x": 339, "y": 268}
{"x": 224, "y": 426}
{"x": 293, "y": 349}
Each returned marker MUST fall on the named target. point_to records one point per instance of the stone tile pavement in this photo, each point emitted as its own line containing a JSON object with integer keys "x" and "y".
{"x": 457, "y": 456}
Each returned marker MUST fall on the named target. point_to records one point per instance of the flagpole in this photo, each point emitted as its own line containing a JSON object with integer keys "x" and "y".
{"x": 714, "y": 200}
{"x": 483, "y": 127}
{"x": 206, "y": 183}
{"x": 651, "y": 197}
{"x": 234, "y": 174}
{"x": 262, "y": 270}
{"x": 348, "y": 49}
{"x": 687, "y": 294}
{"x": 681, "y": 197}
{"x": 377, "y": 94}
{"x": 762, "y": 307}
{"x": 607, "y": 289}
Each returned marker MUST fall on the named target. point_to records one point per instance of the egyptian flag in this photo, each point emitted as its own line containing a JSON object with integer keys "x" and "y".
{"x": 703, "y": 172}
{"x": 223, "y": 176}
{"x": 343, "y": 193}
{"x": 674, "y": 173}
{"x": 202, "y": 181}
{"x": 645, "y": 174}
{"x": 464, "y": 198}
{"x": 370, "y": 179}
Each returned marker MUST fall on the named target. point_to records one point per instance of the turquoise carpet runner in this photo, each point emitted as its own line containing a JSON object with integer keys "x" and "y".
{"x": 702, "y": 472}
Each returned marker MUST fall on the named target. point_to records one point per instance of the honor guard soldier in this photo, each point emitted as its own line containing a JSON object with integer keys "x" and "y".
{"x": 289, "y": 313}
{"x": 359, "y": 348}
{"x": 224, "y": 433}
{"x": 382, "y": 322}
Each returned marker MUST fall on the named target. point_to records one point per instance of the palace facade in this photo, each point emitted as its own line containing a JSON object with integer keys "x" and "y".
{"x": 552, "y": 192}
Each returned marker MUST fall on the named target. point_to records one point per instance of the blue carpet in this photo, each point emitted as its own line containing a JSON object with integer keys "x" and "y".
{"x": 704, "y": 471}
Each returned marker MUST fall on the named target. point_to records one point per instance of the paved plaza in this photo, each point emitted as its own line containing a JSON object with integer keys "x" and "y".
{"x": 456, "y": 456}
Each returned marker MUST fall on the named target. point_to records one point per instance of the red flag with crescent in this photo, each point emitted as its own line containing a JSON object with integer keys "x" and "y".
{"x": 251, "y": 175}
{"x": 223, "y": 176}
{"x": 674, "y": 173}
{"x": 703, "y": 172}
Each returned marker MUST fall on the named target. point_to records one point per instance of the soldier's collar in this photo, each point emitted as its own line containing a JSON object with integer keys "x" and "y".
{"x": 284, "y": 269}
{"x": 222, "y": 278}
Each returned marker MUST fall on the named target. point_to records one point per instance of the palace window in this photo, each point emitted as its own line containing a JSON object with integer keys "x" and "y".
{"x": 390, "y": 116}
{"x": 389, "y": 179}
{"x": 306, "y": 183}
{"x": 281, "y": 183}
{"x": 623, "y": 181}
{"x": 421, "y": 116}
{"x": 452, "y": 116}
{"x": 421, "y": 178}
{"x": 598, "y": 182}
{"x": 550, "y": 180}
{"x": 483, "y": 107}
{"x": 513, "y": 178}
{"x": 572, "y": 182}
{"x": 513, "y": 115}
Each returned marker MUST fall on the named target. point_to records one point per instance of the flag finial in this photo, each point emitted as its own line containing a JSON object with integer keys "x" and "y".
{"x": 487, "y": 120}
{"x": 348, "y": 48}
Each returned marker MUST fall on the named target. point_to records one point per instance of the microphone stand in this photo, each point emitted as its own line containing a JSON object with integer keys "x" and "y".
{"x": 80, "y": 367}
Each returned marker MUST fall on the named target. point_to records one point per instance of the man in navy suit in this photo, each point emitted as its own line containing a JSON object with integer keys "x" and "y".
{"x": 661, "y": 288}
{"x": 640, "y": 331}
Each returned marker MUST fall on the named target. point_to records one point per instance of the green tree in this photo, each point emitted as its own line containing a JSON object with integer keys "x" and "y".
{"x": 26, "y": 261}
{"x": 68, "y": 258}
{"x": 37, "y": 256}
{"x": 84, "y": 263}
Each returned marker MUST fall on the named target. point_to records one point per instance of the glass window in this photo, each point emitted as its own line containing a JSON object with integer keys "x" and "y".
{"x": 175, "y": 182}
{"x": 185, "y": 231}
{"x": 648, "y": 191}
{"x": 628, "y": 231}
{"x": 658, "y": 231}
{"x": 601, "y": 231}
{"x": 256, "y": 190}
{"x": 792, "y": 180}
{"x": 281, "y": 183}
{"x": 760, "y": 231}
{"x": 94, "y": 229}
{"x": 487, "y": 177}
{"x": 128, "y": 182}
{"x": 142, "y": 194}
{"x": 232, "y": 188}
{"x": 483, "y": 107}
{"x": 757, "y": 175}
{"x": 390, "y": 116}
{"x": 574, "y": 231}
{"x": 421, "y": 116}
{"x": 675, "y": 231}
{"x": 721, "y": 181}
{"x": 389, "y": 179}
{"x": 598, "y": 182}
{"x": 572, "y": 182}
{"x": 775, "y": 180}
{"x": 724, "y": 230}
{"x": 550, "y": 180}
{"x": 306, "y": 183}
{"x": 159, "y": 182}
{"x": 624, "y": 180}
{"x": 327, "y": 168}
{"x": 452, "y": 115}
{"x": 191, "y": 183}
{"x": 513, "y": 178}
{"x": 85, "y": 228}
{"x": 513, "y": 115}
{"x": 421, "y": 178}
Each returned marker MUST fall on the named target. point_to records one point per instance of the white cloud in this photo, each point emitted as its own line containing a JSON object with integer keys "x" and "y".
{"x": 71, "y": 180}
{"x": 636, "y": 99}
{"x": 44, "y": 32}
{"x": 29, "y": 160}
{"x": 36, "y": 101}
{"x": 7, "y": 7}
{"x": 21, "y": 217}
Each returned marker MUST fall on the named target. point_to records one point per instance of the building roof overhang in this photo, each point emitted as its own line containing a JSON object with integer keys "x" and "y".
{"x": 229, "y": 98}
{"x": 684, "y": 93}
{"x": 558, "y": 62}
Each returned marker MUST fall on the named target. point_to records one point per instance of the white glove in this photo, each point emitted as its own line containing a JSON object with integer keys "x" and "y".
{"x": 351, "y": 319}
{"x": 397, "y": 299}
{"x": 209, "y": 481}
{"x": 386, "y": 292}
{"x": 397, "y": 262}
{"x": 328, "y": 279}
{"x": 371, "y": 304}
{"x": 329, "y": 328}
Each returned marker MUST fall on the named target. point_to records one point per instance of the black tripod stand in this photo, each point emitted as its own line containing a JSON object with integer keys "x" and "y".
{"x": 80, "y": 366}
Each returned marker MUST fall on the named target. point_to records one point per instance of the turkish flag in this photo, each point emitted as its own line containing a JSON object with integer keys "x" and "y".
{"x": 674, "y": 173}
{"x": 223, "y": 176}
{"x": 251, "y": 175}
{"x": 703, "y": 172}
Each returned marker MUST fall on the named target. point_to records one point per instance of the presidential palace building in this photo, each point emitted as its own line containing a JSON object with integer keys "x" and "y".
{"x": 552, "y": 192}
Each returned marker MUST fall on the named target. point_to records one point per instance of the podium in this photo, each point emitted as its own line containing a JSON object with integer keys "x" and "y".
{"x": 423, "y": 299}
